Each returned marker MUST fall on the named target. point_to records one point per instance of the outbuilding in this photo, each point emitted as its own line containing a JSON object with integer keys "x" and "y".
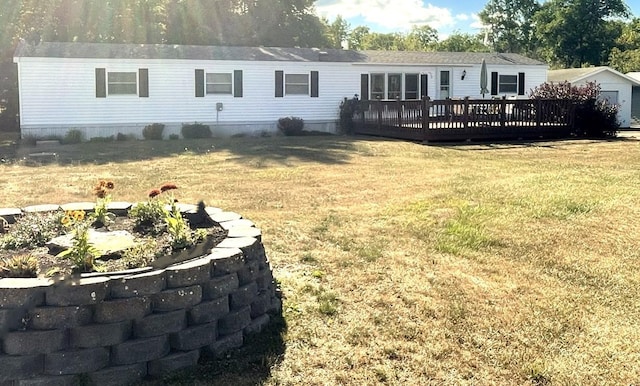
{"x": 105, "y": 89}
{"x": 615, "y": 87}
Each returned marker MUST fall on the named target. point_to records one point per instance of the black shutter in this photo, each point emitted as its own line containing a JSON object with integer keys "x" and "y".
{"x": 364, "y": 87}
{"x": 101, "y": 87}
{"x": 199, "y": 83}
{"x": 424, "y": 85}
{"x": 494, "y": 83}
{"x": 279, "y": 84}
{"x": 237, "y": 83}
{"x": 143, "y": 83}
{"x": 314, "y": 84}
{"x": 521, "y": 83}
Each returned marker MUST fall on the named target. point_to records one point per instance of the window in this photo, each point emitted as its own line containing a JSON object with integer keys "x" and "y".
{"x": 411, "y": 86}
{"x": 377, "y": 86}
{"x": 296, "y": 84}
{"x": 508, "y": 84}
{"x": 395, "y": 86}
{"x": 610, "y": 97}
{"x": 445, "y": 84}
{"x": 219, "y": 83}
{"x": 122, "y": 83}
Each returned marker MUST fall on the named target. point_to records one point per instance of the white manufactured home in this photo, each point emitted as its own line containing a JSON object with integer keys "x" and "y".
{"x": 105, "y": 89}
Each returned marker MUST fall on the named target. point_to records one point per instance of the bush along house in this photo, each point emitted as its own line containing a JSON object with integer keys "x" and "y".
{"x": 104, "y": 89}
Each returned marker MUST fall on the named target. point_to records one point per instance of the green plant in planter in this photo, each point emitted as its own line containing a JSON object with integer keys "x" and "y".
{"x": 162, "y": 214}
{"x": 103, "y": 197}
{"x": 33, "y": 230}
{"x": 23, "y": 265}
{"x": 82, "y": 253}
{"x": 150, "y": 213}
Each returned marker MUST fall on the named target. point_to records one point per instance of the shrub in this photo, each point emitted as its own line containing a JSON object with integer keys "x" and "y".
{"x": 291, "y": 126}
{"x": 33, "y": 229}
{"x": 125, "y": 137}
{"x": 174, "y": 136}
{"x": 110, "y": 138}
{"x": 23, "y": 265}
{"x": 196, "y": 130}
{"x": 594, "y": 118}
{"x": 348, "y": 108}
{"x": 153, "y": 131}
{"x": 73, "y": 136}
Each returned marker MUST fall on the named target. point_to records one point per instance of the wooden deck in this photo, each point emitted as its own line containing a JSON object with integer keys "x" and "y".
{"x": 465, "y": 119}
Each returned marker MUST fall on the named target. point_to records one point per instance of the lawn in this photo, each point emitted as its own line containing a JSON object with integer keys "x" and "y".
{"x": 406, "y": 264}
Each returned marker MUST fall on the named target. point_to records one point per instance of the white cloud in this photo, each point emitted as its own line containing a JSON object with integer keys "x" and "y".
{"x": 397, "y": 15}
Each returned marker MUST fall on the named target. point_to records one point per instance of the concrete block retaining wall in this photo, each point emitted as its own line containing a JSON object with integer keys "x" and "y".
{"x": 115, "y": 329}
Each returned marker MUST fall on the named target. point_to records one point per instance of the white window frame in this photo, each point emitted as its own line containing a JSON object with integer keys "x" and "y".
{"x": 116, "y": 83}
{"x": 395, "y": 93}
{"x": 380, "y": 94}
{"x": 416, "y": 91}
{"x": 290, "y": 84}
{"x": 214, "y": 83}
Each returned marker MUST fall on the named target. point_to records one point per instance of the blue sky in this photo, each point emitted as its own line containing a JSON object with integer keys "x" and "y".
{"x": 445, "y": 16}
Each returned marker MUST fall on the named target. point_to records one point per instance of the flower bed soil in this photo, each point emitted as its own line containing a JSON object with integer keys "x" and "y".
{"x": 49, "y": 264}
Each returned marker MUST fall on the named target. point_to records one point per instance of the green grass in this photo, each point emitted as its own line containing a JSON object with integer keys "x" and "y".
{"x": 405, "y": 264}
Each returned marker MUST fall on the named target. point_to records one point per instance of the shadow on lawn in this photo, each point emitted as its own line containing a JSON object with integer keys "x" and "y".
{"x": 249, "y": 365}
{"x": 330, "y": 149}
{"x": 557, "y": 144}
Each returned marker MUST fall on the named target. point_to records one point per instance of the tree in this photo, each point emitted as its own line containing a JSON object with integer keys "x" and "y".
{"x": 357, "y": 37}
{"x": 338, "y": 32}
{"x": 574, "y": 33}
{"x": 421, "y": 38}
{"x": 509, "y": 23}
{"x": 394, "y": 41}
{"x": 625, "y": 61}
{"x": 462, "y": 42}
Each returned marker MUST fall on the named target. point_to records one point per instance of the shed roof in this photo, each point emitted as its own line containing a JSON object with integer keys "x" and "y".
{"x": 190, "y": 52}
{"x": 578, "y": 74}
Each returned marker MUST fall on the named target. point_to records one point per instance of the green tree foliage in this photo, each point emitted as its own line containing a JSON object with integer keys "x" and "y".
{"x": 421, "y": 38}
{"x": 357, "y": 37}
{"x": 509, "y": 23}
{"x": 462, "y": 42}
{"x": 337, "y": 32}
{"x": 625, "y": 57}
{"x": 224, "y": 22}
{"x": 573, "y": 33}
{"x": 624, "y": 61}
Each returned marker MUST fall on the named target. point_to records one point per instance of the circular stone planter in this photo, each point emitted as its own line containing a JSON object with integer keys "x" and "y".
{"x": 119, "y": 327}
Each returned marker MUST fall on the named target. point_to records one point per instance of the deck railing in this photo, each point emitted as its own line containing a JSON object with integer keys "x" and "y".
{"x": 459, "y": 119}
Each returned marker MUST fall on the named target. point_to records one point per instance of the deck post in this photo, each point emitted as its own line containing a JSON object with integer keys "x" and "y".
{"x": 399, "y": 105}
{"x": 379, "y": 103}
{"x": 425, "y": 117}
{"x": 503, "y": 111}
{"x": 465, "y": 113}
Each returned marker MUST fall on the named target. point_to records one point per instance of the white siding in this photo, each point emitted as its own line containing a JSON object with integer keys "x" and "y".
{"x": 611, "y": 82}
{"x": 59, "y": 94}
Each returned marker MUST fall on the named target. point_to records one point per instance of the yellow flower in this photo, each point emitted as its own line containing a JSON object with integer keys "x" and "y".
{"x": 78, "y": 215}
{"x": 66, "y": 220}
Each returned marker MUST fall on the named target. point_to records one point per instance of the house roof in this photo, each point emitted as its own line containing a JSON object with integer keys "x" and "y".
{"x": 572, "y": 75}
{"x": 166, "y": 51}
